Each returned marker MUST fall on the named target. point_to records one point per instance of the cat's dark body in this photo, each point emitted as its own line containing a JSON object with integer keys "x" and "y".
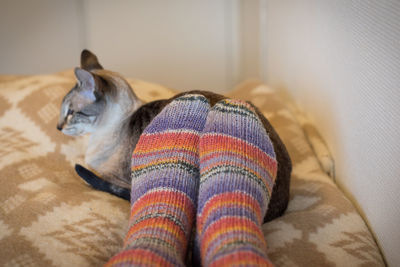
{"x": 132, "y": 127}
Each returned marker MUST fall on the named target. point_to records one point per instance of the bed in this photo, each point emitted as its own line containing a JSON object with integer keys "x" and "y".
{"x": 50, "y": 217}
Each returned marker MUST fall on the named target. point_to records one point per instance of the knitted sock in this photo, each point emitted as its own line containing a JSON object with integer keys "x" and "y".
{"x": 237, "y": 174}
{"x": 165, "y": 180}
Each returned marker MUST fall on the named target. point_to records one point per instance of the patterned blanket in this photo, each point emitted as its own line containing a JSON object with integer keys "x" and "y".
{"x": 49, "y": 217}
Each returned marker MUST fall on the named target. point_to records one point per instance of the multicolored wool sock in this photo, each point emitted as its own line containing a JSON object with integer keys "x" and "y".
{"x": 165, "y": 181}
{"x": 237, "y": 173}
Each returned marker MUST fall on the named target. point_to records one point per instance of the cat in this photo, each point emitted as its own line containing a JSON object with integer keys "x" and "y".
{"x": 103, "y": 105}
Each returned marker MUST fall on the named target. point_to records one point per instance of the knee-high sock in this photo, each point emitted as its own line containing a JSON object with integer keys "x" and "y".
{"x": 165, "y": 179}
{"x": 237, "y": 173}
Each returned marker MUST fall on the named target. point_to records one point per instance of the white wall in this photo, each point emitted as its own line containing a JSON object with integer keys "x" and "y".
{"x": 340, "y": 61}
{"x": 184, "y": 44}
{"x": 39, "y": 36}
{"x": 250, "y": 45}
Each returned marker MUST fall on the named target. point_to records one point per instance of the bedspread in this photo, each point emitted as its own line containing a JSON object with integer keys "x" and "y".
{"x": 50, "y": 217}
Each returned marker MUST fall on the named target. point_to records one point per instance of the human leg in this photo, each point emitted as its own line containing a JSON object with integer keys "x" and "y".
{"x": 165, "y": 178}
{"x": 237, "y": 173}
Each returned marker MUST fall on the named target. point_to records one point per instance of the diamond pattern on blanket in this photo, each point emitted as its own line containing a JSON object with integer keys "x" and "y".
{"x": 42, "y": 107}
{"x": 48, "y": 112}
{"x": 73, "y": 236}
{"x": 35, "y": 185}
{"x": 29, "y": 170}
{"x": 300, "y": 202}
{"x": 23, "y": 260}
{"x": 11, "y": 203}
{"x": 45, "y": 198}
{"x": 50, "y": 217}
{"x": 13, "y": 140}
{"x": 4, "y": 105}
{"x": 347, "y": 245}
{"x": 280, "y": 233}
{"x": 18, "y": 89}
{"x": 21, "y": 138}
{"x": 5, "y": 230}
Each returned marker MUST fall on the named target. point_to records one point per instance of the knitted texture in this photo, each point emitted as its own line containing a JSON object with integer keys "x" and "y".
{"x": 165, "y": 181}
{"x": 237, "y": 172}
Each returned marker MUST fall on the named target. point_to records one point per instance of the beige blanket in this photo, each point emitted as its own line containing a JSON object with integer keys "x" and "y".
{"x": 49, "y": 217}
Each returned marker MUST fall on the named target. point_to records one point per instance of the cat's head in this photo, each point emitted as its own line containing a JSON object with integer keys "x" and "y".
{"x": 95, "y": 92}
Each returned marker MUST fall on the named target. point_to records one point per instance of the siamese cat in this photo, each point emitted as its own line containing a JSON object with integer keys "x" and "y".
{"x": 103, "y": 105}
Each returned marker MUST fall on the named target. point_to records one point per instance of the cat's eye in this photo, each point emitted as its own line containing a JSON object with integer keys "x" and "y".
{"x": 70, "y": 112}
{"x": 83, "y": 113}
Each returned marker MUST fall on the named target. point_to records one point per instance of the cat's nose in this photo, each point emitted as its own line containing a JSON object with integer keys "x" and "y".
{"x": 59, "y": 127}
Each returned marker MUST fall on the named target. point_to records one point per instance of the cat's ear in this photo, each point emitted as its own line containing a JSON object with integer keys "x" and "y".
{"x": 87, "y": 84}
{"x": 89, "y": 61}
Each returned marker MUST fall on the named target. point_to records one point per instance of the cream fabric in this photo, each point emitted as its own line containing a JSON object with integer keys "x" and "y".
{"x": 50, "y": 217}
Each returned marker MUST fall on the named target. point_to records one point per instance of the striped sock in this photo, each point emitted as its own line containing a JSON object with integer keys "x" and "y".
{"x": 165, "y": 180}
{"x": 237, "y": 174}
